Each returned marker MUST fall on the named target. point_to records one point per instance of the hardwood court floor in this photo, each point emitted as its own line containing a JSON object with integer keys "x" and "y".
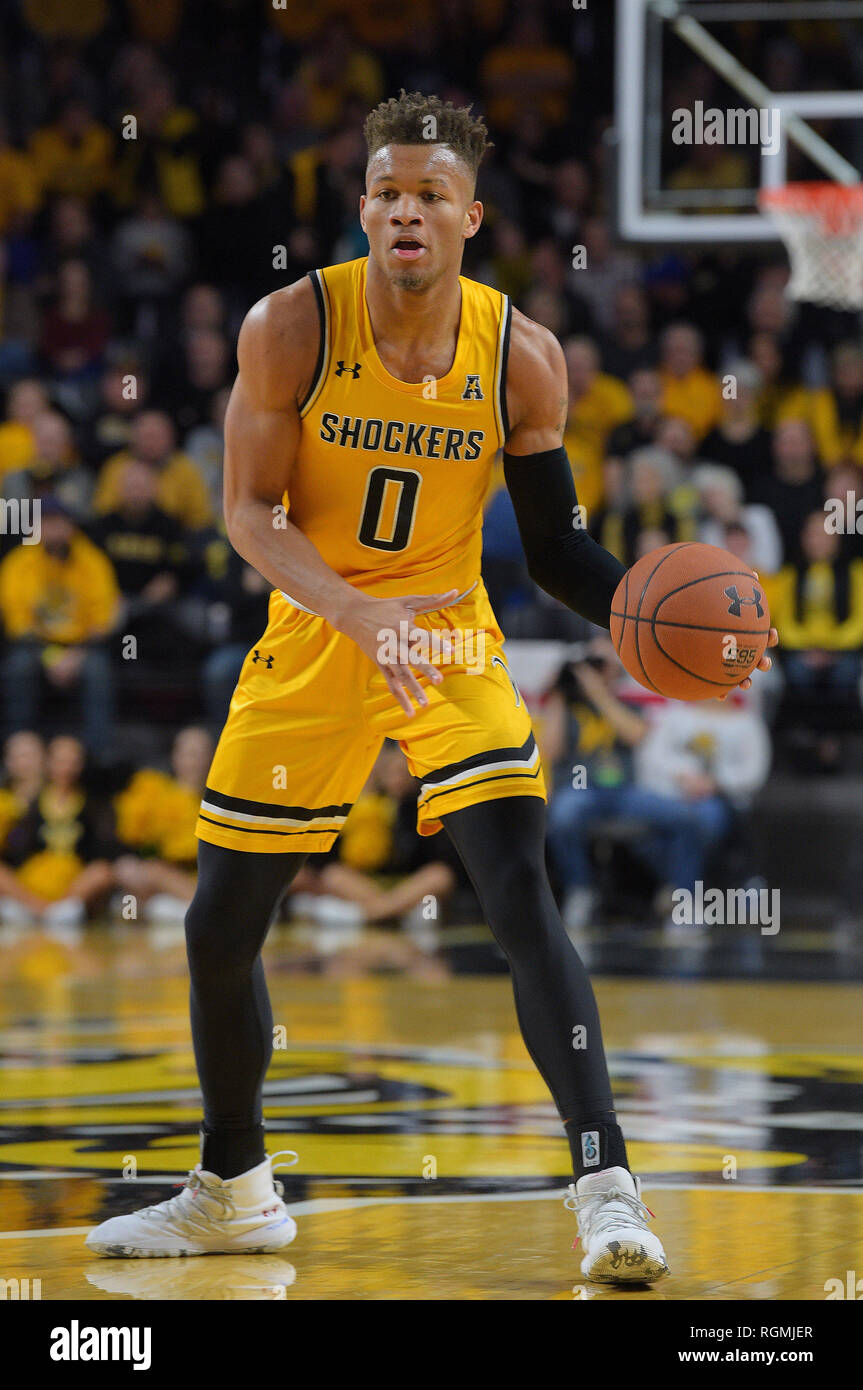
{"x": 431, "y": 1162}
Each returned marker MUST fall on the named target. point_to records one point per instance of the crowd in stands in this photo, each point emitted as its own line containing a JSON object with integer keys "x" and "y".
{"x": 164, "y": 164}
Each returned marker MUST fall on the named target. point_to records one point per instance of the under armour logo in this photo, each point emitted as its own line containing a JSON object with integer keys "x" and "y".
{"x": 737, "y": 602}
{"x": 268, "y": 660}
{"x": 472, "y": 388}
{"x": 354, "y": 370}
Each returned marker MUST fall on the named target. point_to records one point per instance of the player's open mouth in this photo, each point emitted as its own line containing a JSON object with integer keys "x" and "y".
{"x": 407, "y": 248}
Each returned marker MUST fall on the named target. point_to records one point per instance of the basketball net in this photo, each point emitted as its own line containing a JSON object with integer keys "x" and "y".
{"x": 822, "y": 227}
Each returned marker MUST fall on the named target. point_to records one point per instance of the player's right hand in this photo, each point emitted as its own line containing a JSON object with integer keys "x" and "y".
{"x": 379, "y": 626}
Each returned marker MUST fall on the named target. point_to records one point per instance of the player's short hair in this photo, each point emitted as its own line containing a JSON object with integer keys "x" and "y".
{"x": 414, "y": 119}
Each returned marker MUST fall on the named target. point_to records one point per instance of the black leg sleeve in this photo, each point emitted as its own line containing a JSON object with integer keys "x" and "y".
{"x": 502, "y": 846}
{"x": 232, "y": 1023}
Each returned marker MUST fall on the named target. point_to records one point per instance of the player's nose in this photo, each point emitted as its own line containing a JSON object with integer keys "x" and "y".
{"x": 405, "y": 212}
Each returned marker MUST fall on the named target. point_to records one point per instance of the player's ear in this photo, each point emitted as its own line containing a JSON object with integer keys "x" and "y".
{"x": 363, "y": 211}
{"x": 473, "y": 219}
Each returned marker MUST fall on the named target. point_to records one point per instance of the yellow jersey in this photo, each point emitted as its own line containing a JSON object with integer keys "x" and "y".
{"x": 390, "y": 476}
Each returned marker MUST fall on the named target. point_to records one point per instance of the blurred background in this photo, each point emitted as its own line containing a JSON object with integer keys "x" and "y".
{"x": 165, "y": 163}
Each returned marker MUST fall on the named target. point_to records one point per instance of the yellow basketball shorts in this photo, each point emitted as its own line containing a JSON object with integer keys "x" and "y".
{"x": 311, "y": 711}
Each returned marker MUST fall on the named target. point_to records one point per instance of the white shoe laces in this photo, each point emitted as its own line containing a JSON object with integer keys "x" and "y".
{"x": 600, "y": 1210}
{"x": 196, "y": 1182}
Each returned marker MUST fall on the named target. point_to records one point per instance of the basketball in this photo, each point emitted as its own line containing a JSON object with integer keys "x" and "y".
{"x": 690, "y": 621}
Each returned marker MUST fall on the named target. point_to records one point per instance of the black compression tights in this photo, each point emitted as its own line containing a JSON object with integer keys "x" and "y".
{"x": 502, "y": 845}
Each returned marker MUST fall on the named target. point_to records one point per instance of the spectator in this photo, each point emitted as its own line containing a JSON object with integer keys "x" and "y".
{"x": 73, "y": 156}
{"x": 164, "y": 156}
{"x": 54, "y": 469}
{"x": 19, "y": 186}
{"x": 525, "y": 70}
{"x": 645, "y": 389}
{"x": 720, "y": 496}
{"x": 57, "y": 856}
{"x": 123, "y": 388}
{"x": 793, "y": 488}
{"x": 148, "y": 550}
{"x": 688, "y": 389}
{"x": 23, "y": 777}
{"x": 780, "y": 396}
{"x": 204, "y": 372}
{"x": 25, "y": 401}
{"x": 606, "y": 272}
{"x": 151, "y": 255}
{"x": 651, "y": 505}
{"x": 75, "y": 330}
{"x": 739, "y": 440}
{"x": 817, "y": 607}
{"x": 597, "y": 404}
{"x": 628, "y": 345}
{"x": 58, "y": 602}
{"x": 72, "y": 236}
{"x": 705, "y": 761}
{"x": 837, "y": 410}
{"x": 156, "y": 816}
{"x": 181, "y": 491}
{"x": 552, "y": 271}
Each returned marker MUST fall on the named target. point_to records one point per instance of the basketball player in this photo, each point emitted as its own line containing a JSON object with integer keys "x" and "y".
{"x": 371, "y": 400}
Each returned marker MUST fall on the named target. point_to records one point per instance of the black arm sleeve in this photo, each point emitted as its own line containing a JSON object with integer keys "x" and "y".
{"x": 561, "y": 557}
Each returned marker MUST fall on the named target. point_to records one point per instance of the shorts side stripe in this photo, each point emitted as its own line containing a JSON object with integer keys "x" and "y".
{"x": 223, "y": 804}
{"x": 264, "y": 830}
{"x": 465, "y": 785}
{"x": 525, "y": 756}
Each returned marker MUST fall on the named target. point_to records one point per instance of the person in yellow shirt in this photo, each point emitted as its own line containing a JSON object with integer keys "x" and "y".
{"x": 526, "y": 70}
{"x": 58, "y": 602}
{"x": 57, "y": 855}
{"x": 26, "y": 400}
{"x": 780, "y": 397}
{"x": 167, "y": 142}
{"x": 155, "y": 818}
{"x": 837, "y": 410}
{"x": 19, "y": 185}
{"x": 337, "y": 69}
{"x": 74, "y": 155}
{"x": 182, "y": 490}
{"x": 598, "y": 403}
{"x": 817, "y": 607}
{"x": 688, "y": 389}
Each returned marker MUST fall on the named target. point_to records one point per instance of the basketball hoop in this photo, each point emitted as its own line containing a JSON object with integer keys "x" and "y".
{"x": 822, "y": 227}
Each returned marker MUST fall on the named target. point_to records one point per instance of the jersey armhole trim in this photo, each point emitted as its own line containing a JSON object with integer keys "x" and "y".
{"x": 320, "y": 289}
{"x": 500, "y": 373}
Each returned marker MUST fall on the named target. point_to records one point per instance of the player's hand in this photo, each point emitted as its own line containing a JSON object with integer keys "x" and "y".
{"x": 381, "y": 625}
{"x": 764, "y": 665}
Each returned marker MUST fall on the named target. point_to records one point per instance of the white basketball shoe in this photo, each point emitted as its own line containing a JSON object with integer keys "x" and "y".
{"x": 211, "y": 1216}
{"x": 612, "y": 1227}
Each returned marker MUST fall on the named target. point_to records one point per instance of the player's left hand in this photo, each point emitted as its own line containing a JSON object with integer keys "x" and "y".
{"x": 764, "y": 665}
